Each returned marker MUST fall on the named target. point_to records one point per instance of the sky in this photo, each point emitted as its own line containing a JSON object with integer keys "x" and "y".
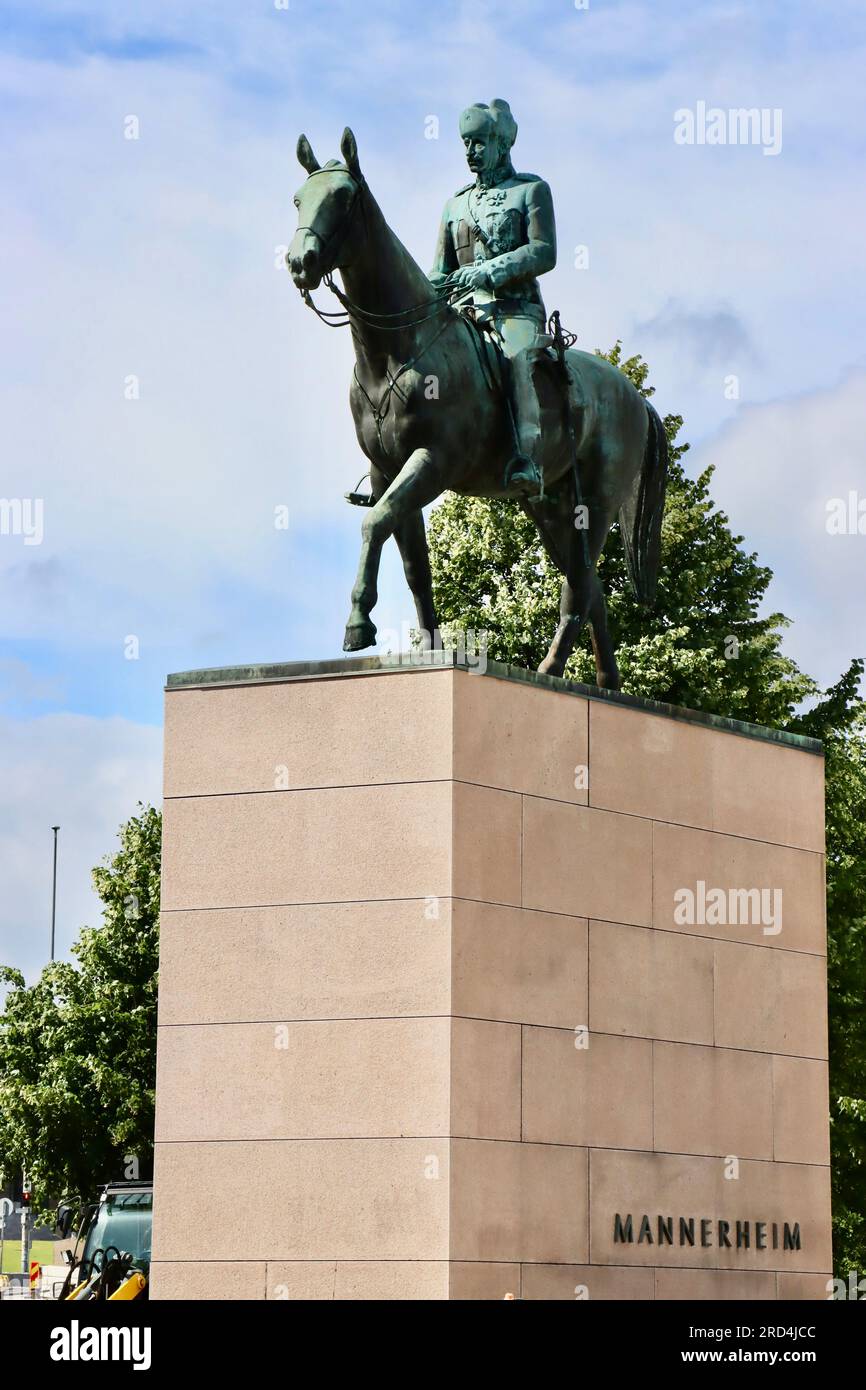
{"x": 164, "y": 389}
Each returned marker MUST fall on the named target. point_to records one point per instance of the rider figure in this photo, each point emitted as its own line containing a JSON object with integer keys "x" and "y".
{"x": 497, "y": 235}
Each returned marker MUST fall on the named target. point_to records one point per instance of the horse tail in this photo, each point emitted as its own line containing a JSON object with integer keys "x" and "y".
{"x": 640, "y": 517}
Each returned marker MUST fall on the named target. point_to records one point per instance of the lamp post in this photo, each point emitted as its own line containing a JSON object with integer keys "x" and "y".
{"x": 26, "y": 1230}
{"x": 55, "y": 828}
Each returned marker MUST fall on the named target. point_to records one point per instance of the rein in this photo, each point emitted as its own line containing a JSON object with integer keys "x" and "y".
{"x": 369, "y": 317}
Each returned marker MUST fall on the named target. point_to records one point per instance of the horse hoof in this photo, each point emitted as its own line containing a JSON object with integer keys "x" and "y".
{"x": 359, "y": 635}
{"x": 551, "y": 667}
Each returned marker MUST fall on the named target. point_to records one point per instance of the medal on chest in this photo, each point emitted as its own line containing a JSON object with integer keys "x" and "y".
{"x": 488, "y": 221}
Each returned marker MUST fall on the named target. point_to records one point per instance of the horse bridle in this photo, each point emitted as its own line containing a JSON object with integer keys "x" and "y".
{"x": 394, "y": 321}
{"x": 343, "y": 229}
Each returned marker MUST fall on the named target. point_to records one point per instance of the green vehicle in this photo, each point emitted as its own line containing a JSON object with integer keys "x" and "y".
{"x": 111, "y": 1258}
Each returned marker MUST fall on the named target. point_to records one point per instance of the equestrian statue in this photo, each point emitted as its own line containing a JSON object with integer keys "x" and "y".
{"x": 462, "y": 383}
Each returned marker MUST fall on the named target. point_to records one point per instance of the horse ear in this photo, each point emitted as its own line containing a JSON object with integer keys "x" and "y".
{"x": 306, "y": 158}
{"x": 349, "y": 151}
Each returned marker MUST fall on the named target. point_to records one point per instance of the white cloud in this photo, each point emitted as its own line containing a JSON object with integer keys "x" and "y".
{"x": 156, "y": 258}
{"x": 777, "y": 467}
{"x": 87, "y": 776}
{"x": 19, "y": 683}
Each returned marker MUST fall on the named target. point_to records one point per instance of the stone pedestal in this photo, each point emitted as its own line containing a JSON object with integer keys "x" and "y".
{"x": 475, "y": 984}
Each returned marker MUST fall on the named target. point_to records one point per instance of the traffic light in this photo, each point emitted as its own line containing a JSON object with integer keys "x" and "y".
{"x": 23, "y": 1191}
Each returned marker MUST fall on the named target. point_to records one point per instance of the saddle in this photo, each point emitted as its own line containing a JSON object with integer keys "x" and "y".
{"x": 548, "y": 358}
{"x": 561, "y": 401}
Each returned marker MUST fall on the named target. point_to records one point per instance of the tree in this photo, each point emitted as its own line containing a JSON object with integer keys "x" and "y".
{"x": 706, "y": 646}
{"x": 78, "y": 1048}
{"x": 840, "y": 720}
{"x": 702, "y": 645}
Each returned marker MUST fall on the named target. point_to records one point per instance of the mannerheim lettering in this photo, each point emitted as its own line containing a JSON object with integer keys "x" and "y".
{"x": 705, "y": 1232}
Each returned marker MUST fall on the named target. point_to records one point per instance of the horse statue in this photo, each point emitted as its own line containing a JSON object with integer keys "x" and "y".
{"x": 431, "y": 413}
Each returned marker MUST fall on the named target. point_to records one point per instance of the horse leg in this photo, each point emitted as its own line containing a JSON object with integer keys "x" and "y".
{"x": 574, "y": 606}
{"x": 607, "y": 671}
{"x": 420, "y": 481}
{"x": 582, "y": 599}
{"x": 556, "y": 529}
{"x": 411, "y": 539}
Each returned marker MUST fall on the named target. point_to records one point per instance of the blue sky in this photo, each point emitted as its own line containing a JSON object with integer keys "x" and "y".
{"x": 159, "y": 258}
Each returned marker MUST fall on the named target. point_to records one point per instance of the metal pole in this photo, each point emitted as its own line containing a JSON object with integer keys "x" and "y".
{"x": 25, "y": 1240}
{"x": 55, "y": 828}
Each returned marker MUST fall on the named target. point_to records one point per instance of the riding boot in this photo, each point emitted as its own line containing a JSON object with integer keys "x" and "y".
{"x": 523, "y": 471}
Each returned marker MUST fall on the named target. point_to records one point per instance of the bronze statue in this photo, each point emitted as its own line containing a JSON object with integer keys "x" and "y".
{"x": 431, "y": 408}
{"x": 497, "y": 236}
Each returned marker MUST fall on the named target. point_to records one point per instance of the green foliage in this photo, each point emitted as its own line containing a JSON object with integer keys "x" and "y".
{"x": 491, "y": 575}
{"x": 77, "y": 1048}
{"x": 840, "y": 720}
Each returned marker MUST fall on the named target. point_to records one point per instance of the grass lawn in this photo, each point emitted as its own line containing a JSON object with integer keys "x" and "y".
{"x": 41, "y": 1250}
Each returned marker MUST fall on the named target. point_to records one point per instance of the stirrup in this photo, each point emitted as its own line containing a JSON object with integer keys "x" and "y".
{"x": 360, "y": 499}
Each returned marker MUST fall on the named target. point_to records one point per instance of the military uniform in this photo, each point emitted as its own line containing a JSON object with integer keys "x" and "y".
{"x": 508, "y": 228}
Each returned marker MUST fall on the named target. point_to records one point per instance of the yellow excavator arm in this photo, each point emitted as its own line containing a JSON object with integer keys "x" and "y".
{"x": 133, "y": 1287}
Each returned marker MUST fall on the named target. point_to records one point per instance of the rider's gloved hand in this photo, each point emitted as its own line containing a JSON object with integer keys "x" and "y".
{"x": 471, "y": 277}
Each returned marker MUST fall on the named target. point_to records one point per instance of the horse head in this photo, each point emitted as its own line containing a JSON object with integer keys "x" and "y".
{"x": 327, "y": 204}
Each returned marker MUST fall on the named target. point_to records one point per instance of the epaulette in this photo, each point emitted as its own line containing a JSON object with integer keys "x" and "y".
{"x": 465, "y": 189}
{"x": 529, "y": 178}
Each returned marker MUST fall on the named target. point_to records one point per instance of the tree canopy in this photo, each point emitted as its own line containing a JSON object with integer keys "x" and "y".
{"x": 78, "y": 1047}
